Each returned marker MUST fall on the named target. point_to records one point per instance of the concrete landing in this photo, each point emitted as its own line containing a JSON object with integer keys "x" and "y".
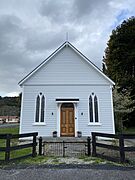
{"x": 66, "y": 139}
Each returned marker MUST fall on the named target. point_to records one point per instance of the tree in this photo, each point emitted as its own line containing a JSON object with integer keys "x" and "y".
{"x": 122, "y": 106}
{"x": 10, "y": 106}
{"x": 119, "y": 60}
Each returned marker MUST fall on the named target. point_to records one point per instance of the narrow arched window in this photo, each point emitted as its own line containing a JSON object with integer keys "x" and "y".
{"x": 37, "y": 108}
{"x": 96, "y": 108}
{"x": 90, "y": 109}
{"x": 42, "y": 108}
{"x": 93, "y": 109}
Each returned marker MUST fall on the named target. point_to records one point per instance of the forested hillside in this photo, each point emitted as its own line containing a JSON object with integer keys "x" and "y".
{"x": 10, "y": 106}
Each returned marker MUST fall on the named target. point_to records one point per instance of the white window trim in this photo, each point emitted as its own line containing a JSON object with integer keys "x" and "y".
{"x": 40, "y": 123}
{"x": 93, "y": 123}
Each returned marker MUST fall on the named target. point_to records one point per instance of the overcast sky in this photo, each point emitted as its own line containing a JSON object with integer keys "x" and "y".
{"x": 32, "y": 29}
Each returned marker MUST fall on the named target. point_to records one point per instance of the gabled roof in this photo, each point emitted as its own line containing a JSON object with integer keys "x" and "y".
{"x": 54, "y": 53}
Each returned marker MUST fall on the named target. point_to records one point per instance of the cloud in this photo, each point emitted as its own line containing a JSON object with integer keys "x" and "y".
{"x": 12, "y": 94}
{"x": 31, "y": 30}
{"x": 56, "y": 11}
{"x": 85, "y": 8}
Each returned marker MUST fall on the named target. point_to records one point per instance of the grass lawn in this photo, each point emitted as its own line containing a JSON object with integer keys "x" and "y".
{"x": 10, "y": 130}
{"x": 14, "y": 142}
{"x": 42, "y": 160}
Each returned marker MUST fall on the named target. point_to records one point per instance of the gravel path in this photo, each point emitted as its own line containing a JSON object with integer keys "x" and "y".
{"x": 67, "y": 172}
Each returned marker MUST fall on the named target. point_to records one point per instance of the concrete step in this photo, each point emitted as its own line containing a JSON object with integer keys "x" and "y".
{"x": 66, "y": 139}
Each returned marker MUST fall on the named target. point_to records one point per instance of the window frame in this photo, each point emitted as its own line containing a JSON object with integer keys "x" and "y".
{"x": 40, "y": 115}
{"x": 93, "y": 95}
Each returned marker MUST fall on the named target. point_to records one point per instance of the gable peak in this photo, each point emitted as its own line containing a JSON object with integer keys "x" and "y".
{"x": 65, "y": 44}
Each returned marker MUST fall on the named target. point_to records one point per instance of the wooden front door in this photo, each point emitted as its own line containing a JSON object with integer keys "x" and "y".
{"x": 67, "y": 123}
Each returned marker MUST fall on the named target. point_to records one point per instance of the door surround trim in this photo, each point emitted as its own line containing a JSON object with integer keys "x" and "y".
{"x": 75, "y": 115}
{"x": 67, "y": 108}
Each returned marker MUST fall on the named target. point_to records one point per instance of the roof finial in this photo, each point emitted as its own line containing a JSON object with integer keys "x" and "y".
{"x": 66, "y": 36}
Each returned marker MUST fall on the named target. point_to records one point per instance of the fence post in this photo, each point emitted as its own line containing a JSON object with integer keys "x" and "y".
{"x": 121, "y": 146}
{"x": 40, "y": 146}
{"x": 34, "y": 145}
{"x": 63, "y": 149}
{"x": 7, "y": 151}
{"x": 93, "y": 144}
{"x": 89, "y": 145}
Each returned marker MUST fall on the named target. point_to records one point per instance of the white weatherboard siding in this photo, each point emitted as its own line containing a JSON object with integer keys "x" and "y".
{"x": 28, "y": 115}
{"x": 66, "y": 67}
{"x": 66, "y": 75}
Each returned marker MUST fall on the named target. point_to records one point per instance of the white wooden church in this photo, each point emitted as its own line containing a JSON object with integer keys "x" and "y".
{"x": 68, "y": 94}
